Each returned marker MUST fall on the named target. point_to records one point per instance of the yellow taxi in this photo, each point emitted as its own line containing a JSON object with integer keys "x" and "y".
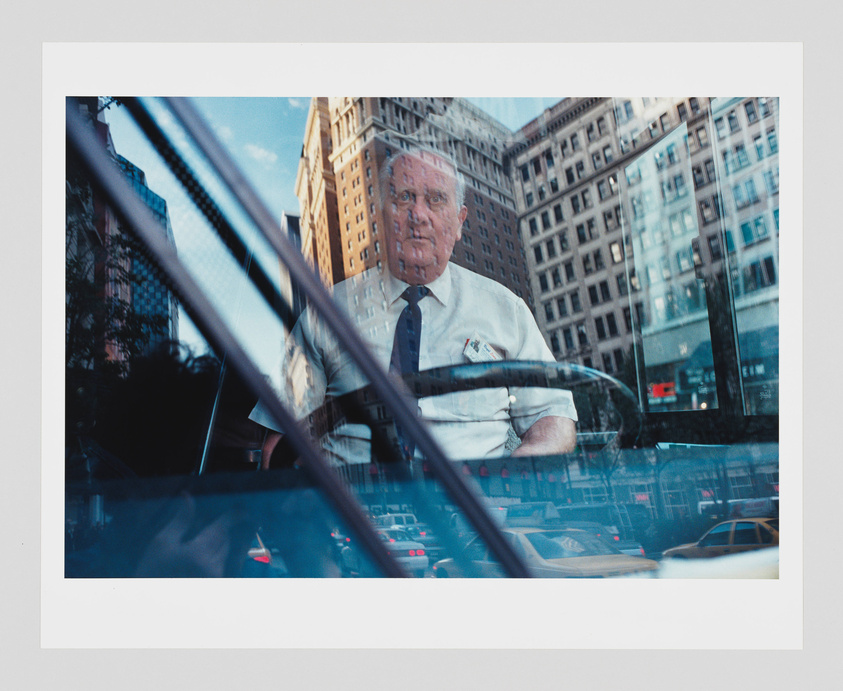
{"x": 730, "y": 537}
{"x": 548, "y": 553}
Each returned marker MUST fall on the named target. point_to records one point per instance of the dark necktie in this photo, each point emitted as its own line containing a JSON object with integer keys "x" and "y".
{"x": 405, "y": 347}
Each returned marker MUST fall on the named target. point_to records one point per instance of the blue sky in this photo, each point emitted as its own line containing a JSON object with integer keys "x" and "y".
{"x": 265, "y": 136}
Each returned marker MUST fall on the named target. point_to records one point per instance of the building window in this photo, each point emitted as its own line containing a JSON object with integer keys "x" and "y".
{"x": 582, "y": 336}
{"x": 551, "y": 248}
{"x": 702, "y": 136}
{"x": 734, "y": 126}
{"x": 537, "y": 250}
{"x": 563, "y": 241}
{"x": 715, "y": 248}
{"x": 525, "y": 173}
{"x": 575, "y": 204}
{"x": 569, "y": 338}
{"x": 602, "y": 128}
{"x": 710, "y": 171}
{"x": 575, "y": 142}
{"x": 557, "y": 213}
{"x": 760, "y": 274}
{"x": 598, "y": 260}
{"x": 548, "y": 158}
{"x": 611, "y": 324}
{"x": 543, "y": 283}
{"x": 580, "y": 168}
{"x": 600, "y": 328}
{"x": 529, "y": 198}
{"x": 556, "y": 277}
{"x": 751, "y": 114}
{"x": 682, "y": 112}
{"x": 534, "y": 226}
{"x": 773, "y": 141}
{"x": 576, "y": 305}
{"x": 562, "y": 307}
{"x": 554, "y": 185}
{"x": 608, "y": 156}
{"x": 581, "y": 235}
{"x": 548, "y": 311}
{"x": 605, "y": 293}
{"x": 593, "y": 296}
{"x": 545, "y": 220}
{"x": 622, "y": 286}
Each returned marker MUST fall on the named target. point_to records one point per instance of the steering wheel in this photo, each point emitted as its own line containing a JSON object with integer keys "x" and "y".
{"x": 608, "y": 410}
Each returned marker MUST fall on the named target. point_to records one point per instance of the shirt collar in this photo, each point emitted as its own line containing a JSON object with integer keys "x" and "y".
{"x": 439, "y": 288}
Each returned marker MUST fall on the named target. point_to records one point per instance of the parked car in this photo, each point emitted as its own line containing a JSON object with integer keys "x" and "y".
{"x": 387, "y": 520}
{"x": 630, "y": 547}
{"x": 730, "y": 537}
{"x": 550, "y": 553}
{"x": 421, "y": 532}
{"x": 630, "y": 522}
{"x": 411, "y": 555}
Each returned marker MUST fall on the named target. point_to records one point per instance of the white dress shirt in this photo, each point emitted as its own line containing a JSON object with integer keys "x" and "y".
{"x": 471, "y": 424}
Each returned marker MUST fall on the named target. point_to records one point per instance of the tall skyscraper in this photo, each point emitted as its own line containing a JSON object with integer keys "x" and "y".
{"x": 150, "y": 296}
{"x": 346, "y": 141}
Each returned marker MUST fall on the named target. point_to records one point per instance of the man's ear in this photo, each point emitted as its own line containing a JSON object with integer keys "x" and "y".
{"x": 461, "y": 217}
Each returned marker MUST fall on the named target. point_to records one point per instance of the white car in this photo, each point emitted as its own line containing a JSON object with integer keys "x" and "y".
{"x": 411, "y": 555}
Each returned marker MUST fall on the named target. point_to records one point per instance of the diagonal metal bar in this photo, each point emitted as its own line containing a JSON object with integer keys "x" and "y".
{"x": 399, "y": 401}
{"x": 225, "y": 230}
{"x": 125, "y": 204}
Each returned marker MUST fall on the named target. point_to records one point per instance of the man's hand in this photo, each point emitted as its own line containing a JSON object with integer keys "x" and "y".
{"x": 549, "y": 435}
{"x": 269, "y": 444}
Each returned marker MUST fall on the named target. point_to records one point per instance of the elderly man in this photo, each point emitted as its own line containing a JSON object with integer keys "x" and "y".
{"x": 420, "y": 313}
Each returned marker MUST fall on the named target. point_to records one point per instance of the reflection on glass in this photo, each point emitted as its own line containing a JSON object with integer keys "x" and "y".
{"x": 664, "y": 236}
{"x": 746, "y": 152}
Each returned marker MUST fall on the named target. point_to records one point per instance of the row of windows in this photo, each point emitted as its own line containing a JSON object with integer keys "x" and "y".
{"x": 575, "y": 337}
{"x": 730, "y": 123}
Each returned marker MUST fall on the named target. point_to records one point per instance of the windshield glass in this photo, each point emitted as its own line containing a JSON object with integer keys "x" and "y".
{"x": 445, "y": 320}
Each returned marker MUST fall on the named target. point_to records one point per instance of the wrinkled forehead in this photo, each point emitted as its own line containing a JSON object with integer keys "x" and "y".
{"x": 422, "y": 170}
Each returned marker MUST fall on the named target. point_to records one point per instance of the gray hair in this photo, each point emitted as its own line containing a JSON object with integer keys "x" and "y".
{"x": 420, "y": 153}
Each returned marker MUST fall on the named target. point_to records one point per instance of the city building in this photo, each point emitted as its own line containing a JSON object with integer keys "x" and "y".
{"x": 150, "y": 296}
{"x": 346, "y": 141}
{"x": 640, "y": 217}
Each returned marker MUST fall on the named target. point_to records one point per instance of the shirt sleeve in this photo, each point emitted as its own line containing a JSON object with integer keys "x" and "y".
{"x": 530, "y": 404}
{"x": 301, "y": 372}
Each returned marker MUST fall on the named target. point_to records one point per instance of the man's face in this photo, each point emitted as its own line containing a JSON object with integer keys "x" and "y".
{"x": 422, "y": 218}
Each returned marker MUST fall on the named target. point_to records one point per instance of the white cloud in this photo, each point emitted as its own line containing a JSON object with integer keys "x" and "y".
{"x": 260, "y": 154}
{"x": 224, "y": 132}
{"x": 297, "y": 103}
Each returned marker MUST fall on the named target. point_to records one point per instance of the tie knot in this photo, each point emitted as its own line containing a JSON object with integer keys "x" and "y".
{"x": 415, "y": 293}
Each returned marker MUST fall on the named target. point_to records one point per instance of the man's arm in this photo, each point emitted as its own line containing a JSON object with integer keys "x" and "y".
{"x": 548, "y": 435}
